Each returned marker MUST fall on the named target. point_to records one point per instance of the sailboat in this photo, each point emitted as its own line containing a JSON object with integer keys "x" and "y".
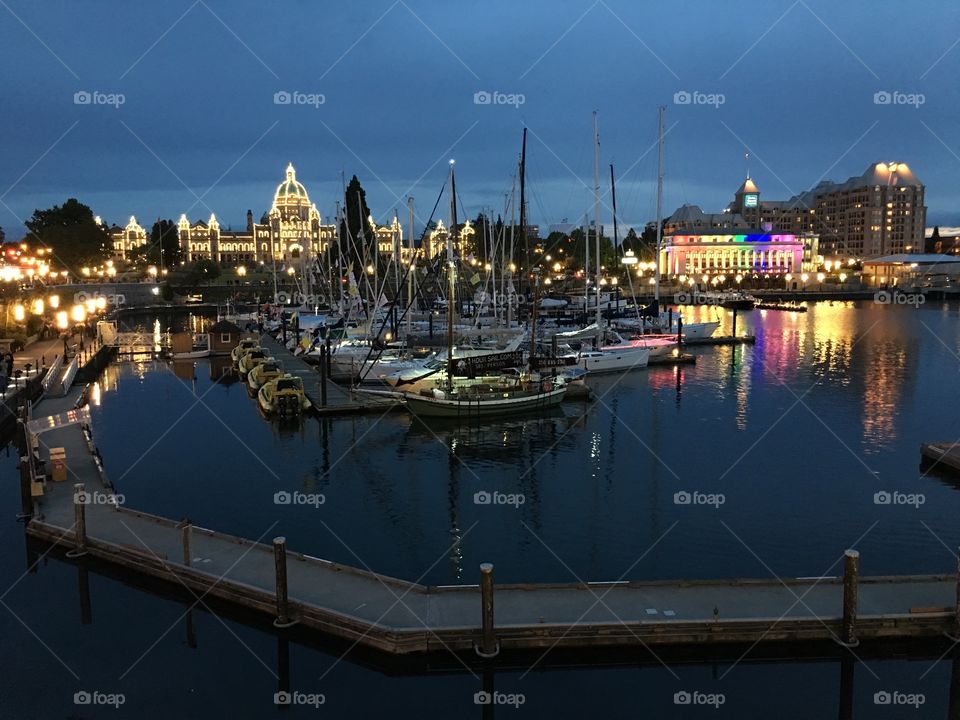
{"x": 507, "y": 395}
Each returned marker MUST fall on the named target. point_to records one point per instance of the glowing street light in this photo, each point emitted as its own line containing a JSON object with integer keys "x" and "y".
{"x": 54, "y": 301}
{"x": 38, "y": 306}
{"x": 19, "y": 313}
{"x": 63, "y": 321}
{"x": 78, "y": 313}
{"x": 241, "y": 271}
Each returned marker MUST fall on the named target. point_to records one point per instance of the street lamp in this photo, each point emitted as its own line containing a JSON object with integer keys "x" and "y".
{"x": 241, "y": 271}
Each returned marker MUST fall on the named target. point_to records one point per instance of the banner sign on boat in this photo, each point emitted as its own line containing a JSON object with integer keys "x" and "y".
{"x": 486, "y": 364}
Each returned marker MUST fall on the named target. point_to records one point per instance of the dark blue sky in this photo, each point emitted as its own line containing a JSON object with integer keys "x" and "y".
{"x": 798, "y": 82}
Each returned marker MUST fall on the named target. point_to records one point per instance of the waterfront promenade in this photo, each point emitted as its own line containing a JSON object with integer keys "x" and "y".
{"x": 398, "y": 617}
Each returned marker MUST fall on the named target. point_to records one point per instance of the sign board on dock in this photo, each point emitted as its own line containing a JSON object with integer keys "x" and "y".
{"x": 485, "y": 364}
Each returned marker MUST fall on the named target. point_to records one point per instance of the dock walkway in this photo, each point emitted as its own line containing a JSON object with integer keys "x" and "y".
{"x": 340, "y": 400}
{"x": 398, "y": 617}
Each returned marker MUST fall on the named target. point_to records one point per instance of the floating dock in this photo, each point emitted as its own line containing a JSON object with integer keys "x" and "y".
{"x": 722, "y": 340}
{"x": 327, "y": 397}
{"x": 396, "y": 617}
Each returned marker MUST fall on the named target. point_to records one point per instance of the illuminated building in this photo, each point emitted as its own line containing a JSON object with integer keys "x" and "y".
{"x": 709, "y": 252}
{"x": 877, "y": 213}
{"x": 291, "y": 230}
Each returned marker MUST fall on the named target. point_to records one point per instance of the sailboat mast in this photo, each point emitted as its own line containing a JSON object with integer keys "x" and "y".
{"x": 656, "y": 259}
{"x": 451, "y": 277}
{"x": 410, "y": 272}
{"x": 596, "y": 205}
{"x": 523, "y": 203}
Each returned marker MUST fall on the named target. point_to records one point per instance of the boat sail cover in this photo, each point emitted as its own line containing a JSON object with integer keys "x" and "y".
{"x": 590, "y": 331}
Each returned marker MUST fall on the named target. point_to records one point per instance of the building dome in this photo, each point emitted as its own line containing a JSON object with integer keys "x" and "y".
{"x": 291, "y": 192}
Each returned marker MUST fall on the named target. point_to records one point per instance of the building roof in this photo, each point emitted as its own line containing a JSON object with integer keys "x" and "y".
{"x": 290, "y": 191}
{"x": 748, "y": 187}
{"x": 911, "y": 258}
{"x": 224, "y": 326}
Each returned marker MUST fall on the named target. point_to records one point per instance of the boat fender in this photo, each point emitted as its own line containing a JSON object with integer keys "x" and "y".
{"x": 439, "y": 394}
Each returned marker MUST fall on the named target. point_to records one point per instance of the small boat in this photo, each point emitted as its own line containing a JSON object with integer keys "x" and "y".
{"x": 243, "y": 348}
{"x": 283, "y": 396}
{"x": 263, "y": 373}
{"x": 187, "y": 346}
{"x": 507, "y": 397}
{"x": 253, "y": 358}
{"x": 788, "y": 306}
{"x": 613, "y": 359}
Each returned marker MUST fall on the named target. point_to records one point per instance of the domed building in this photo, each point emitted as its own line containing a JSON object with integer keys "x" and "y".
{"x": 291, "y": 232}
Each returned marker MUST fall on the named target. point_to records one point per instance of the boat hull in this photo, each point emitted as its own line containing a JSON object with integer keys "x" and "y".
{"x": 467, "y": 408}
{"x": 615, "y": 361}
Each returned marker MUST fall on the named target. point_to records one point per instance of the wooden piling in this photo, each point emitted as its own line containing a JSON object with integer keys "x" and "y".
{"x": 956, "y": 610}
{"x": 488, "y": 647}
{"x": 734, "y": 333}
{"x": 283, "y": 603}
{"x": 323, "y": 375}
{"x": 185, "y": 533}
{"x": 80, "y": 521}
{"x": 851, "y": 588}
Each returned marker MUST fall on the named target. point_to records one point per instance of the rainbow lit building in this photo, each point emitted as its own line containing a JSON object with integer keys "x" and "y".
{"x": 744, "y": 252}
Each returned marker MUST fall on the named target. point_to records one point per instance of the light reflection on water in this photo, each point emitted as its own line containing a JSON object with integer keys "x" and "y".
{"x": 797, "y": 431}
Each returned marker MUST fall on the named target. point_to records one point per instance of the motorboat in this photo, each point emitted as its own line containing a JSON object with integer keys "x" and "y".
{"x": 251, "y": 359}
{"x": 243, "y": 348}
{"x": 283, "y": 396}
{"x": 263, "y": 373}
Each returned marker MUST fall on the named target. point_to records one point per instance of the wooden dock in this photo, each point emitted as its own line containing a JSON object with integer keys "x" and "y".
{"x": 332, "y": 399}
{"x": 681, "y": 359}
{"x": 388, "y": 615}
{"x": 945, "y": 455}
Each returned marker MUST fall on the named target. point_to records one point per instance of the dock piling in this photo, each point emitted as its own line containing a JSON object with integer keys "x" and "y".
{"x": 734, "y": 331}
{"x": 80, "y": 521}
{"x": 851, "y": 588}
{"x": 283, "y": 604}
{"x": 488, "y": 647}
{"x": 323, "y": 375}
{"x": 956, "y": 615}
{"x": 185, "y": 533}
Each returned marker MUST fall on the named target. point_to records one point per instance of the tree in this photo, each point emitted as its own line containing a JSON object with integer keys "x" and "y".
{"x": 358, "y": 242}
{"x": 71, "y": 232}
{"x": 3, "y": 236}
{"x": 165, "y": 234}
{"x": 202, "y": 271}
{"x": 933, "y": 244}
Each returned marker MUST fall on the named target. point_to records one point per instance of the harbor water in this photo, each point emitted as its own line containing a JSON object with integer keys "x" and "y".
{"x": 759, "y": 461}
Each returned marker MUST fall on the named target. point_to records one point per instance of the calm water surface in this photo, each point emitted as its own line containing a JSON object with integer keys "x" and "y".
{"x": 792, "y": 437}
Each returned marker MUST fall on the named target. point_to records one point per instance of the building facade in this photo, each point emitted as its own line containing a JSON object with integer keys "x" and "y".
{"x": 291, "y": 231}
{"x": 880, "y": 212}
{"x": 711, "y": 253}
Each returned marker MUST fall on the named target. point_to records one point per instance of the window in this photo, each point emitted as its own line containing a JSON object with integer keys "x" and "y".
{"x": 225, "y": 337}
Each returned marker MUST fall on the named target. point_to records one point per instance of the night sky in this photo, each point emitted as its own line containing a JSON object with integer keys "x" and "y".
{"x": 199, "y": 130}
